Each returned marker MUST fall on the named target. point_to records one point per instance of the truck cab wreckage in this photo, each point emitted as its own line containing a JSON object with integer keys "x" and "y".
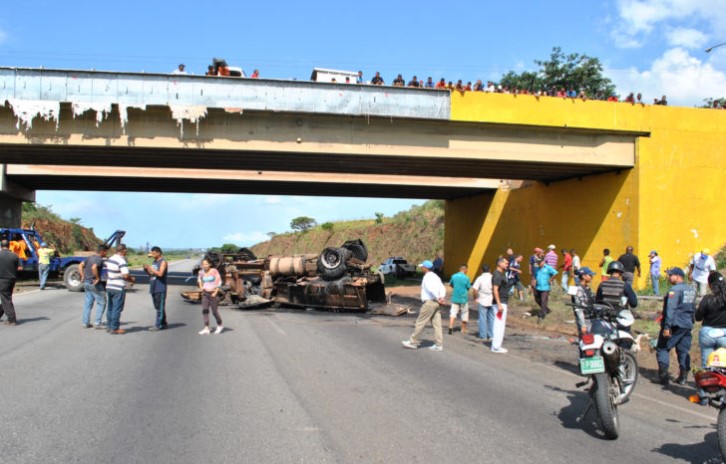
{"x": 337, "y": 279}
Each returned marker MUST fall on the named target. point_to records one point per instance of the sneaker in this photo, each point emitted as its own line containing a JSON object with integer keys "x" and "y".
{"x": 436, "y": 348}
{"x": 154, "y": 329}
{"x": 87, "y": 326}
{"x": 10, "y": 323}
{"x": 451, "y": 330}
{"x": 219, "y": 329}
{"x": 500, "y": 350}
{"x": 101, "y": 327}
{"x": 205, "y": 331}
{"x": 408, "y": 344}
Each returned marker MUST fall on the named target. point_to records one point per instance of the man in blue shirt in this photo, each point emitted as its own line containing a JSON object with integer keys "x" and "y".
{"x": 544, "y": 276}
{"x": 157, "y": 286}
{"x": 459, "y": 299}
{"x": 679, "y": 310}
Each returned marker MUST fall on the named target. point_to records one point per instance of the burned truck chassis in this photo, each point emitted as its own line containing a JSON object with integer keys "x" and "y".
{"x": 338, "y": 279}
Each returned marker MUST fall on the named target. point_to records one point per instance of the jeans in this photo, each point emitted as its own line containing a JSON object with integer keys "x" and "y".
{"x": 710, "y": 339}
{"x": 565, "y": 280}
{"x": 486, "y": 321}
{"x": 159, "y": 300}
{"x": 94, "y": 293}
{"x": 655, "y": 283}
{"x": 116, "y": 300}
{"x": 43, "y": 271}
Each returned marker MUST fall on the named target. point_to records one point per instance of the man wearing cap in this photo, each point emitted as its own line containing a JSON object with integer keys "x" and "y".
{"x": 701, "y": 264}
{"x": 44, "y": 255}
{"x": 630, "y": 263}
{"x": 679, "y": 309}
{"x": 583, "y": 298}
{"x": 654, "y": 271}
{"x": 432, "y": 296}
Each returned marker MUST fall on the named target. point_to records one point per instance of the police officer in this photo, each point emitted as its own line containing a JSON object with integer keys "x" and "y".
{"x": 615, "y": 291}
{"x": 675, "y": 330}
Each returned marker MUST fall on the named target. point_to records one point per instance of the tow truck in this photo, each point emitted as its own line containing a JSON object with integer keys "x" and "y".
{"x": 60, "y": 267}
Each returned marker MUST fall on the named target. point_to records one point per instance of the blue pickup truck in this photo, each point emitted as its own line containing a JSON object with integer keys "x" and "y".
{"x": 60, "y": 267}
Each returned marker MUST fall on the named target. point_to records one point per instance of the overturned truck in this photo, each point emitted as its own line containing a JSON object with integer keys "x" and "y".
{"x": 337, "y": 279}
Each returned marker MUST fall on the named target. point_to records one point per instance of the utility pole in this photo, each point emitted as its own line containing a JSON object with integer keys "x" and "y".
{"x": 708, "y": 50}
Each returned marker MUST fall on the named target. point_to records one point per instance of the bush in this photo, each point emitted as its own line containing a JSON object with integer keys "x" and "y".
{"x": 327, "y": 226}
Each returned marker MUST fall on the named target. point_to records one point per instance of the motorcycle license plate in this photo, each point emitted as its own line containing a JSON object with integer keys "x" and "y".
{"x": 594, "y": 365}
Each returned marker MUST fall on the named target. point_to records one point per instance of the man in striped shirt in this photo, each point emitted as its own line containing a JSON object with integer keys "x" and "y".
{"x": 118, "y": 275}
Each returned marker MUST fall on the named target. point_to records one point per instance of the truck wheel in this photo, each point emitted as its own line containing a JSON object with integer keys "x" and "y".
{"x": 357, "y": 248}
{"x": 331, "y": 263}
{"x": 72, "y": 278}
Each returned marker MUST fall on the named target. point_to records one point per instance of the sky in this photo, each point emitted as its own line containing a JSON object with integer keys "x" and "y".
{"x": 655, "y": 47}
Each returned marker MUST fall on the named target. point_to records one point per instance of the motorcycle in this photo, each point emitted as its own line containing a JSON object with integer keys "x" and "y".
{"x": 711, "y": 380}
{"x": 607, "y": 358}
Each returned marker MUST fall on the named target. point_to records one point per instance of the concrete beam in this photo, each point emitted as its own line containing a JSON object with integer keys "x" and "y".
{"x": 12, "y": 196}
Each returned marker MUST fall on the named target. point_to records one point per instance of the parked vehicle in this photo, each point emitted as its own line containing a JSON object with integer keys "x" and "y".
{"x": 712, "y": 384}
{"x": 606, "y": 357}
{"x": 337, "y": 278}
{"x": 397, "y": 266}
{"x": 60, "y": 267}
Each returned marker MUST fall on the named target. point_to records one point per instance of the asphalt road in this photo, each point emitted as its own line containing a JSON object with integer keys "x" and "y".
{"x": 297, "y": 386}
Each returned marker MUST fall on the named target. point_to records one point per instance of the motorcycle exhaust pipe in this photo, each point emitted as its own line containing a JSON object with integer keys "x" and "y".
{"x": 612, "y": 356}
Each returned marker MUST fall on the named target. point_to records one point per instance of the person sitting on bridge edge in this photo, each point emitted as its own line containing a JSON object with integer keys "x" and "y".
{"x": 9, "y": 267}
{"x": 460, "y": 298}
{"x": 90, "y": 270}
{"x": 157, "y": 286}
{"x": 432, "y": 296}
{"x": 44, "y": 254}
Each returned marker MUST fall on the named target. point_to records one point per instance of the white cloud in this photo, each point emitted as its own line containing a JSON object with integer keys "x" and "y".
{"x": 637, "y": 19}
{"x": 246, "y": 238}
{"x": 273, "y": 200}
{"x": 683, "y": 78}
{"x": 685, "y": 37}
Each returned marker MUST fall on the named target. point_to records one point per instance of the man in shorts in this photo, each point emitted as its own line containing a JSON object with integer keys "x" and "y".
{"x": 459, "y": 298}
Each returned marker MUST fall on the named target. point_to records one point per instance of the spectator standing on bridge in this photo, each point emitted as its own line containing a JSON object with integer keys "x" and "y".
{"x": 398, "y": 81}
{"x": 157, "y": 286}
{"x": 485, "y": 299}
{"x": 255, "y": 74}
{"x": 701, "y": 264}
{"x": 44, "y": 254}
{"x": 359, "y": 78}
{"x": 377, "y": 79}
{"x": 118, "y": 275}
{"x": 9, "y": 267}
{"x": 630, "y": 263}
{"x": 432, "y": 296}
{"x": 460, "y": 298}
{"x": 500, "y": 290}
{"x": 90, "y": 270}
{"x": 179, "y": 69}
{"x": 209, "y": 282}
{"x": 429, "y": 83}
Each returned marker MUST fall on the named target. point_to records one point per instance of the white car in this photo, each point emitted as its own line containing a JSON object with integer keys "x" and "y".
{"x": 398, "y": 266}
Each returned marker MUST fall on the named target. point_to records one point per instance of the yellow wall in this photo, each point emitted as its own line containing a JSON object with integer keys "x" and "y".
{"x": 673, "y": 201}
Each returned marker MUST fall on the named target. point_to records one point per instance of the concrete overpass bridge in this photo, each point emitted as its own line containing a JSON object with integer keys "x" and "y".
{"x": 84, "y": 130}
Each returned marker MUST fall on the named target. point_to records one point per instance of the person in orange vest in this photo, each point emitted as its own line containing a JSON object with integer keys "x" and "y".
{"x": 19, "y": 247}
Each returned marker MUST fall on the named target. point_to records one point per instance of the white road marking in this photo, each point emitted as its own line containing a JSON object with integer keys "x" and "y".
{"x": 277, "y": 327}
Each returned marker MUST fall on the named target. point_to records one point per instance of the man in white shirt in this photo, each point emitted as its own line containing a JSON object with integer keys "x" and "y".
{"x": 118, "y": 275}
{"x": 701, "y": 264}
{"x": 485, "y": 299}
{"x": 179, "y": 70}
{"x": 432, "y": 296}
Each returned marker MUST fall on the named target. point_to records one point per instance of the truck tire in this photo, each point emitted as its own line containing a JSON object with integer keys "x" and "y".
{"x": 72, "y": 278}
{"x": 245, "y": 254}
{"x": 357, "y": 248}
{"x": 331, "y": 263}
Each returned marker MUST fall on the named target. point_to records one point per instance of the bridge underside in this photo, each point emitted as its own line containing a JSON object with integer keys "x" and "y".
{"x": 311, "y": 145}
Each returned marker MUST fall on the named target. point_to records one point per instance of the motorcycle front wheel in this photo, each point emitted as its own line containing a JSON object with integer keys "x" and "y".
{"x": 721, "y": 427}
{"x": 607, "y": 410}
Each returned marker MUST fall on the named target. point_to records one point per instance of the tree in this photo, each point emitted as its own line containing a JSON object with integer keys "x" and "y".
{"x": 379, "y": 218}
{"x": 271, "y": 234}
{"x": 302, "y": 223}
{"x": 327, "y": 226}
{"x": 229, "y": 248}
{"x": 573, "y": 71}
{"x": 75, "y": 220}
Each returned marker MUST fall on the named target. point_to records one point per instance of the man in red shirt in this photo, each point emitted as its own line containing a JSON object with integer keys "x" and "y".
{"x": 566, "y": 269}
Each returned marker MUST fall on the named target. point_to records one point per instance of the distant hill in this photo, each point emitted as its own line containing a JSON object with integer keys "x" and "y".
{"x": 66, "y": 236}
{"x": 415, "y": 234}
